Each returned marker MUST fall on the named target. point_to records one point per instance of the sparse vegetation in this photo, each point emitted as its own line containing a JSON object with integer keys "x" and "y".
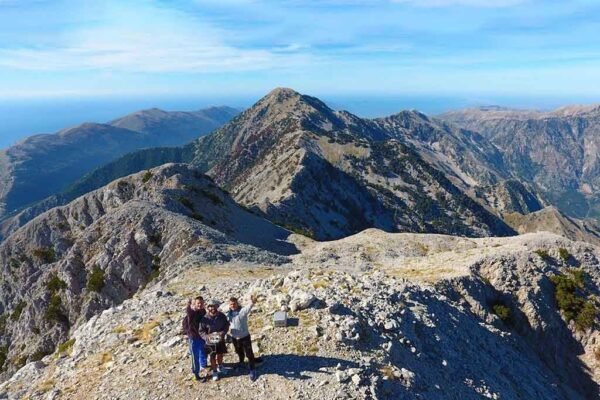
{"x": 55, "y": 284}
{"x": 3, "y": 356}
{"x": 564, "y": 254}
{"x": 571, "y": 299}
{"x": 543, "y": 254}
{"x": 155, "y": 239}
{"x": 502, "y": 311}
{"x": 54, "y": 312}
{"x": 45, "y": 254}
{"x": 147, "y": 176}
{"x": 95, "y": 281}
{"x": 186, "y": 203}
{"x": 198, "y": 217}
{"x": 66, "y": 347}
{"x": 3, "y": 319}
{"x": 38, "y": 355}
{"x": 297, "y": 229}
{"x": 16, "y": 314}
{"x": 14, "y": 263}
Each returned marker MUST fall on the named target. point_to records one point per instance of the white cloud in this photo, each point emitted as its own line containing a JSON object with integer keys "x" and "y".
{"x": 470, "y": 3}
{"x": 160, "y": 40}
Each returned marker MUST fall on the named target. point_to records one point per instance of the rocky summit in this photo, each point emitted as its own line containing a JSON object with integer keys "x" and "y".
{"x": 372, "y": 316}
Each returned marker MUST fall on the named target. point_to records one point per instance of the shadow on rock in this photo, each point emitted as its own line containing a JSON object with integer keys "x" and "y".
{"x": 291, "y": 366}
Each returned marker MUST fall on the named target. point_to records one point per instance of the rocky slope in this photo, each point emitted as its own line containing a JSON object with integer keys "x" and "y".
{"x": 42, "y": 165}
{"x": 331, "y": 174}
{"x": 386, "y": 172}
{"x": 556, "y": 151}
{"x": 550, "y": 219}
{"x": 373, "y": 316}
{"x": 71, "y": 262}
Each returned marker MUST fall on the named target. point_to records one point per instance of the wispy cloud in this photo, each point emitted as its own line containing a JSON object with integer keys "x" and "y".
{"x": 159, "y": 40}
{"x": 469, "y": 3}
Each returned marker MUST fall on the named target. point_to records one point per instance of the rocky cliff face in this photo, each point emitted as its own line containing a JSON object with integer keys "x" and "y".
{"x": 374, "y": 316}
{"x": 556, "y": 151}
{"x": 72, "y": 262}
{"x": 42, "y": 165}
{"x": 331, "y": 174}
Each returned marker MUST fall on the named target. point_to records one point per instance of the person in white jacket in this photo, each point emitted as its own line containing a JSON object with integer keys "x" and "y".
{"x": 240, "y": 336}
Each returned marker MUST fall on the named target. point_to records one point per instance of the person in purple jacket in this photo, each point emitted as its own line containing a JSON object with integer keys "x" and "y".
{"x": 191, "y": 324}
{"x": 213, "y": 328}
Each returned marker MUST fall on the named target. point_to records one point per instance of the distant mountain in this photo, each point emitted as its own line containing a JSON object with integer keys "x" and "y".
{"x": 332, "y": 174}
{"x": 558, "y": 152}
{"x": 42, "y": 165}
{"x": 176, "y": 127}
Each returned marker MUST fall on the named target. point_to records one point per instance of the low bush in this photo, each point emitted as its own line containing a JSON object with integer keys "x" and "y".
{"x": 186, "y": 203}
{"x": 502, "y": 311}
{"x": 147, "y": 176}
{"x": 16, "y": 314}
{"x": 66, "y": 346}
{"x": 45, "y": 254}
{"x": 54, "y": 312}
{"x": 55, "y": 284}
{"x": 95, "y": 281}
{"x": 571, "y": 299}
{"x": 564, "y": 254}
{"x": 543, "y": 254}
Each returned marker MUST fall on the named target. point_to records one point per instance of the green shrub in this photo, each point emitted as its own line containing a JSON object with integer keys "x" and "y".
{"x": 543, "y": 254}
{"x": 95, "y": 281}
{"x": 55, "y": 284}
{"x": 38, "y": 355}
{"x": 564, "y": 254}
{"x": 186, "y": 203}
{"x": 3, "y": 319}
{"x": 16, "y": 314}
{"x": 154, "y": 274}
{"x": 3, "y": 356}
{"x": 216, "y": 200}
{"x": 45, "y": 254}
{"x": 147, "y": 176}
{"x": 198, "y": 217}
{"x": 155, "y": 239}
{"x": 586, "y": 317}
{"x": 502, "y": 311}
{"x": 571, "y": 299}
{"x": 66, "y": 346}
{"x": 54, "y": 312}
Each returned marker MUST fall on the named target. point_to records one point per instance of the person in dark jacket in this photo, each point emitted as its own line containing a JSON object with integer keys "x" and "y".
{"x": 213, "y": 328}
{"x": 191, "y": 324}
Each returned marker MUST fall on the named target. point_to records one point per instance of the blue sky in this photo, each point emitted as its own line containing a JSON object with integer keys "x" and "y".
{"x": 81, "y": 48}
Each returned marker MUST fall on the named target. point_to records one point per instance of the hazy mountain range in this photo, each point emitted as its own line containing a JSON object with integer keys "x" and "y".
{"x": 42, "y": 165}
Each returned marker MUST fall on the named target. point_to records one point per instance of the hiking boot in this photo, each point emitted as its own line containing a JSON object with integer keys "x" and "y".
{"x": 253, "y": 375}
{"x": 215, "y": 376}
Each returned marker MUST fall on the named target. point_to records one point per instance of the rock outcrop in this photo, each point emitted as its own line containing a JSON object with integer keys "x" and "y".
{"x": 372, "y": 316}
{"x": 72, "y": 262}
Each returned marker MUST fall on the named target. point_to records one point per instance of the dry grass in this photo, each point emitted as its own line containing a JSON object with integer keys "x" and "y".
{"x": 47, "y": 385}
{"x": 105, "y": 358}
{"x": 144, "y": 333}
{"x": 120, "y": 329}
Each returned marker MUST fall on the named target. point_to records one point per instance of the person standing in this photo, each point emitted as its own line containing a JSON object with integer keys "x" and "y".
{"x": 191, "y": 324}
{"x": 213, "y": 327}
{"x": 240, "y": 335}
